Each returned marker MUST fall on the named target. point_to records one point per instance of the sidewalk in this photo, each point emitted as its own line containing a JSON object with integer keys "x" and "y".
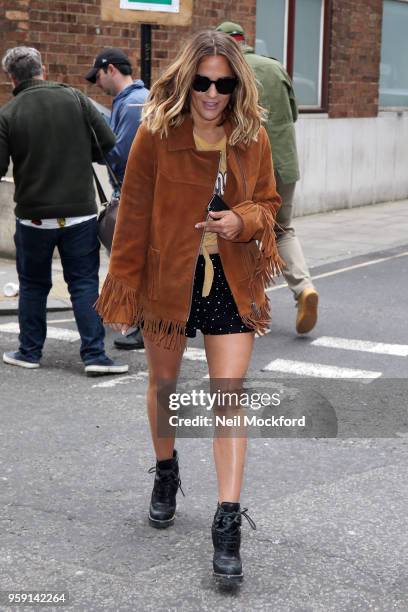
{"x": 325, "y": 237}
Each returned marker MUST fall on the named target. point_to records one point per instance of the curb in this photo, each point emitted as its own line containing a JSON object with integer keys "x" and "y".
{"x": 55, "y": 306}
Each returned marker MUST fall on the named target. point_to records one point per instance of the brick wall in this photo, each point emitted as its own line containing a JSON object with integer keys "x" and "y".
{"x": 355, "y": 53}
{"x": 70, "y": 33}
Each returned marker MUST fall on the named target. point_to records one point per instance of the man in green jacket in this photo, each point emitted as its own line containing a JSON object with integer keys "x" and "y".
{"x": 277, "y": 97}
{"x": 45, "y": 129}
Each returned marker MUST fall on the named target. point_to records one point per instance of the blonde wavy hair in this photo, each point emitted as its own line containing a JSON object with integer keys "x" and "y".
{"x": 169, "y": 99}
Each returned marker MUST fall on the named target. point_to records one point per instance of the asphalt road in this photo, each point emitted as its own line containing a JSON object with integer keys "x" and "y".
{"x": 361, "y": 300}
{"x": 330, "y": 512}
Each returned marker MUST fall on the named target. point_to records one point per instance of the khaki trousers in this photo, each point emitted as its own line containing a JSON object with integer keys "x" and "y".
{"x": 296, "y": 272}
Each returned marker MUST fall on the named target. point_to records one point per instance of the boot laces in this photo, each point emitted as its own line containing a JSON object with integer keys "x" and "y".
{"x": 248, "y": 518}
{"x": 227, "y": 529}
{"x": 228, "y": 519}
{"x": 164, "y": 484}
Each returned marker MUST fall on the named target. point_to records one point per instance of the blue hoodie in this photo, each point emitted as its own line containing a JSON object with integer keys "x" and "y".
{"x": 124, "y": 121}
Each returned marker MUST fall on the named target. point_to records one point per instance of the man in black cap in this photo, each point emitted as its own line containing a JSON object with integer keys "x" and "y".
{"x": 277, "y": 96}
{"x": 112, "y": 72}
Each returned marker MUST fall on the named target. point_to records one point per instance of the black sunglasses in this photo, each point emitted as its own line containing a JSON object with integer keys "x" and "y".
{"x": 224, "y": 85}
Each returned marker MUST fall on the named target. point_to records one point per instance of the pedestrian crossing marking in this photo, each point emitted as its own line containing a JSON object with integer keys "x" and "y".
{"x": 382, "y": 348}
{"x": 195, "y": 354}
{"x": 61, "y": 320}
{"x": 56, "y": 333}
{"x": 141, "y": 375}
{"x": 299, "y": 368}
{"x": 192, "y": 353}
{"x": 319, "y": 370}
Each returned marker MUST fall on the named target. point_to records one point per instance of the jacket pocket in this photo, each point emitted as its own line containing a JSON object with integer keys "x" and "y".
{"x": 153, "y": 273}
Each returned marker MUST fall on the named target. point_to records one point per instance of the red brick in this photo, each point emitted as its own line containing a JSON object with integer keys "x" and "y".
{"x": 354, "y": 58}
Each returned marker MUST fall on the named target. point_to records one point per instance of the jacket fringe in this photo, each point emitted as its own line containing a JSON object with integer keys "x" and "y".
{"x": 268, "y": 266}
{"x": 117, "y": 298}
{"x": 270, "y": 263}
{"x": 167, "y": 333}
{"x": 259, "y": 318}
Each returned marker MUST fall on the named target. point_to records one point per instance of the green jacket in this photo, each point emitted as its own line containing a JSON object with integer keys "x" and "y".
{"x": 44, "y": 131}
{"x": 277, "y": 96}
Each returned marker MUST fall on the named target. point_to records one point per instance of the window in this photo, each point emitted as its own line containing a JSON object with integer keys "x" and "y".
{"x": 271, "y": 28}
{"x": 394, "y": 53}
{"x": 296, "y": 33}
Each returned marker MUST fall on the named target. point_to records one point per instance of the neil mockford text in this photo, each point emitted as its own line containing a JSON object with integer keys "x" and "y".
{"x": 237, "y": 420}
{"x": 228, "y": 399}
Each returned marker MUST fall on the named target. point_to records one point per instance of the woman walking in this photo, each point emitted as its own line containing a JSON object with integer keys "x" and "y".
{"x": 176, "y": 268}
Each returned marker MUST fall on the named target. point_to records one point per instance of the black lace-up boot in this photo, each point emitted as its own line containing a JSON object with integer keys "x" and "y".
{"x": 226, "y": 536}
{"x": 166, "y": 483}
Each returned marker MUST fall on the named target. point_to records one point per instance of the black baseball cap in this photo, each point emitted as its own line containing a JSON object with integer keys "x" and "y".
{"x": 104, "y": 58}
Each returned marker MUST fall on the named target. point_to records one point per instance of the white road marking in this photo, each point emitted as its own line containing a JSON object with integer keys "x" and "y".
{"x": 120, "y": 381}
{"x": 399, "y": 350}
{"x": 192, "y": 353}
{"x": 60, "y": 333}
{"x": 347, "y": 269}
{"x": 195, "y": 354}
{"x": 318, "y": 370}
{"x": 61, "y": 320}
{"x": 56, "y": 333}
{"x": 268, "y": 331}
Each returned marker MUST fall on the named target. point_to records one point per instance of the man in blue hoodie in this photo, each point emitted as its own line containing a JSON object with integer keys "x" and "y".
{"x": 112, "y": 72}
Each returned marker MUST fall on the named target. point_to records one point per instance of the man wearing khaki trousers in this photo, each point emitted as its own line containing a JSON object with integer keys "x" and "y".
{"x": 277, "y": 96}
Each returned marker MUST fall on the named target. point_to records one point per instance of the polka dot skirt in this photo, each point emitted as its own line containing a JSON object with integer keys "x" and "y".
{"x": 216, "y": 314}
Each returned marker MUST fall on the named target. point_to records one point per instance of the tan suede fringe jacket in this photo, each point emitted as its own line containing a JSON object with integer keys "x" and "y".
{"x": 168, "y": 184}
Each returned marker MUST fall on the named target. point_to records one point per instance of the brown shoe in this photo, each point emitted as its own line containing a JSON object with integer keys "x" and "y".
{"x": 307, "y": 311}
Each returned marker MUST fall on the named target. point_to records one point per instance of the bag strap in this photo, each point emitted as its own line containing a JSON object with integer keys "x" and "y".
{"x": 102, "y": 196}
{"x": 115, "y": 180}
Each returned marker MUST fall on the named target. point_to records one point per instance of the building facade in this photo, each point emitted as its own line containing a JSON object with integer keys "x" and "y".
{"x": 347, "y": 59}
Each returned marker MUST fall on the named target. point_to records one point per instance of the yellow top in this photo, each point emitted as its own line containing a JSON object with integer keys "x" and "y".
{"x": 210, "y": 243}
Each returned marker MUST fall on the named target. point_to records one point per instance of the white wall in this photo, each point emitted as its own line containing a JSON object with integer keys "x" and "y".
{"x": 351, "y": 162}
{"x": 7, "y": 218}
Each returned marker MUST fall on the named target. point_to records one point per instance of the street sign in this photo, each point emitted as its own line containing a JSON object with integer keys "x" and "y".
{"x": 158, "y": 12}
{"x": 164, "y": 6}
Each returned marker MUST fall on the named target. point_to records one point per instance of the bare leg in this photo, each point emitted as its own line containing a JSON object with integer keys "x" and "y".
{"x": 163, "y": 365}
{"x": 228, "y": 357}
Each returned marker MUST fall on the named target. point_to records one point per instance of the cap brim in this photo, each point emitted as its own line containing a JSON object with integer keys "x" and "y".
{"x": 91, "y": 75}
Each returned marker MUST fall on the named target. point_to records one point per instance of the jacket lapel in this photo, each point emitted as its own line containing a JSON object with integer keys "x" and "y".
{"x": 181, "y": 138}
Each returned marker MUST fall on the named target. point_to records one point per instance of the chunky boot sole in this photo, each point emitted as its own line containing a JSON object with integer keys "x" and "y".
{"x": 161, "y": 524}
{"x": 162, "y": 508}
{"x": 228, "y": 579}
